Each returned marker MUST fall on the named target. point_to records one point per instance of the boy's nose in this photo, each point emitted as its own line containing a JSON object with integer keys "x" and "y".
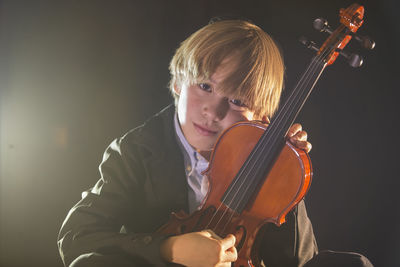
{"x": 216, "y": 109}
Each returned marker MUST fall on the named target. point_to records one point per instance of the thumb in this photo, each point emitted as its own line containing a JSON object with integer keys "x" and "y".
{"x": 210, "y": 233}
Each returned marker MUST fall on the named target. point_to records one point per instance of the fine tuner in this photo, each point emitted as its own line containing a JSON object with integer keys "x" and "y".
{"x": 354, "y": 60}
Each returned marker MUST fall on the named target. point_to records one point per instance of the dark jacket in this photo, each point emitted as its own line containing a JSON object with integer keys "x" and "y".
{"x": 142, "y": 182}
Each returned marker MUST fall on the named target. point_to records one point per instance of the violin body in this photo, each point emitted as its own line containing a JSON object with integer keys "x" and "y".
{"x": 283, "y": 187}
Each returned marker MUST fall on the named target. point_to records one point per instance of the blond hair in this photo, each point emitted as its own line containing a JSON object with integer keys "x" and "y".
{"x": 258, "y": 79}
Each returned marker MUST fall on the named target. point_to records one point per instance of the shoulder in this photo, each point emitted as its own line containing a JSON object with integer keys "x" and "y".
{"x": 140, "y": 147}
{"x": 161, "y": 121}
{"x": 155, "y": 135}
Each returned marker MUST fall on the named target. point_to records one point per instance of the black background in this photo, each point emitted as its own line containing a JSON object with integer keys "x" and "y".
{"x": 77, "y": 74}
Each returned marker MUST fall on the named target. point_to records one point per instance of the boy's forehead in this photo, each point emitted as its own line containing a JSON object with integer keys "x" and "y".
{"x": 224, "y": 70}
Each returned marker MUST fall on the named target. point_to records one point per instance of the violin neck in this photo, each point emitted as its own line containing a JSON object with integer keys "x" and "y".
{"x": 287, "y": 113}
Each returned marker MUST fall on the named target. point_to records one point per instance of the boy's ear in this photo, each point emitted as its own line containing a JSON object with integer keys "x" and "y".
{"x": 177, "y": 90}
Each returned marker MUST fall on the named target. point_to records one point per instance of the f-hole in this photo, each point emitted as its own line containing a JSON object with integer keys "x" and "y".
{"x": 244, "y": 235}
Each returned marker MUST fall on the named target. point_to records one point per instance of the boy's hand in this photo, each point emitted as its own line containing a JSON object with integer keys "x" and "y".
{"x": 200, "y": 249}
{"x": 298, "y": 137}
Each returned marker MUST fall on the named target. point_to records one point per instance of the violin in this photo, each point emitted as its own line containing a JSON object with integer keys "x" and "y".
{"x": 255, "y": 176}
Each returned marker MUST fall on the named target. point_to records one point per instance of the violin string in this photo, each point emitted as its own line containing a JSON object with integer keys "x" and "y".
{"x": 241, "y": 173}
{"x": 252, "y": 161}
{"x": 316, "y": 60}
{"x": 246, "y": 183}
{"x": 304, "y": 94}
{"x": 314, "y": 64}
{"x": 247, "y": 186}
{"x": 305, "y": 81}
{"x": 301, "y": 92}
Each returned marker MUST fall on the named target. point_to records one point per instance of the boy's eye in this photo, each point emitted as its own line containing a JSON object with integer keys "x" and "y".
{"x": 205, "y": 86}
{"x": 238, "y": 103}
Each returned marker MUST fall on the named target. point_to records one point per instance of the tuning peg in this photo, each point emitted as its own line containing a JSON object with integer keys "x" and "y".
{"x": 365, "y": 41}
{"x": 354, "y": 60}
{"x": 309, "y": 44}
{"x": 321, "y": 24}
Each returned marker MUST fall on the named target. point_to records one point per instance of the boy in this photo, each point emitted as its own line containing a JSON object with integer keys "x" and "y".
{"x": 226, "y": 72}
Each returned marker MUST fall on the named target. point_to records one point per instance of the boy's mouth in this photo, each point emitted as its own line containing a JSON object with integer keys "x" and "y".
{"x": 203, "y": 130}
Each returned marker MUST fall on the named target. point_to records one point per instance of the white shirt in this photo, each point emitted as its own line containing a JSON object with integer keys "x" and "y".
{"x": 195, "y": 164}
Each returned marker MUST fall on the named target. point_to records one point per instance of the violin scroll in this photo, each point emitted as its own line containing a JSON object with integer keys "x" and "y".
{"x": 351, "y": 20}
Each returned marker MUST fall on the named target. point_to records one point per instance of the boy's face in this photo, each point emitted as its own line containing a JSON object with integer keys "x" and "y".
{"x": 204, "y": 113}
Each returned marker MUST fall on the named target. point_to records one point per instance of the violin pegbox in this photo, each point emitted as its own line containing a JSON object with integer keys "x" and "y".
{"x": 351, "y": 19}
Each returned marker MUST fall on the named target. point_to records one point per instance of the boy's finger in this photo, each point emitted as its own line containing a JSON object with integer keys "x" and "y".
{"x": 210, "y": 233}
{"x": 299, "y": 136}
{"x": 228, "y": 242}
{"x": 295, "y": 128}
{"x": 306, "y": 146}
{"x": 231, "y": 255}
